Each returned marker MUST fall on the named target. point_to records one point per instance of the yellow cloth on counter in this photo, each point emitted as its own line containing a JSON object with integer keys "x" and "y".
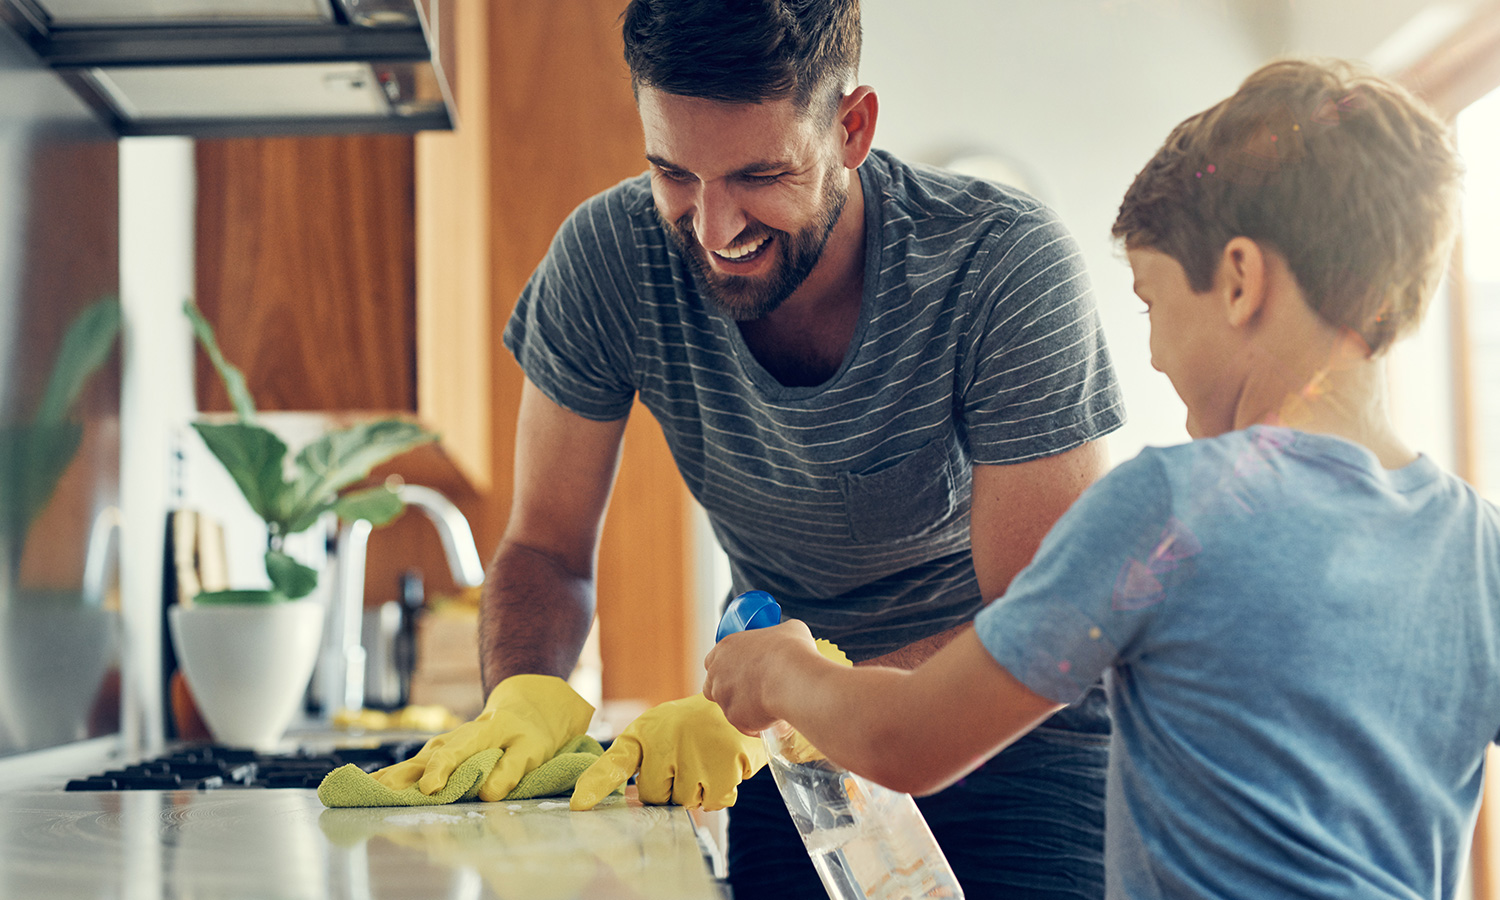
{"x": 349, "y": 785}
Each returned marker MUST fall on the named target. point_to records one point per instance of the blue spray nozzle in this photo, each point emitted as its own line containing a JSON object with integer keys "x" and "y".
{"x": 752, "y": 609}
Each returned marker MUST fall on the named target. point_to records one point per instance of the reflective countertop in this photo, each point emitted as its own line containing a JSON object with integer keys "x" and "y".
{"x": 284, "y": 844}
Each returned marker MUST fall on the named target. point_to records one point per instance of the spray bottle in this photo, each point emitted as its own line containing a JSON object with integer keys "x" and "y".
{"x": 867, "y": 842}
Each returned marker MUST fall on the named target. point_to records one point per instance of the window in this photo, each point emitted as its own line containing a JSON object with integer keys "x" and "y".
{"x": 1478, "y": 131}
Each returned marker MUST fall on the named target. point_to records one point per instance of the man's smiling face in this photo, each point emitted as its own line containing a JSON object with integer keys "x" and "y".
{"x": 749, "y": 192}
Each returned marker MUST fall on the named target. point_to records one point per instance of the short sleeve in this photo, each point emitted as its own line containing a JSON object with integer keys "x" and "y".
{"x": 1039, "y": 378}
{"x": 1097, "y": 583}
{"x": 571, "y": 331}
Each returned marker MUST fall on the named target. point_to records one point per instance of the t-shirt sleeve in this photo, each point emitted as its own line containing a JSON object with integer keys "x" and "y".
{"x": 1100, "y": 578}
{"x": 571, "y": 331}
{"x": 1038, "y": 378}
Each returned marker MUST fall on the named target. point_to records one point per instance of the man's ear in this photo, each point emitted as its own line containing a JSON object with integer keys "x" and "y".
{"x": 857, "y": 113}
{"x": 1242, "y": 280}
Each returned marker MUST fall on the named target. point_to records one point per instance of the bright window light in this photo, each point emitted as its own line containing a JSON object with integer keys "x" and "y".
{"x": 1479, "y": 144}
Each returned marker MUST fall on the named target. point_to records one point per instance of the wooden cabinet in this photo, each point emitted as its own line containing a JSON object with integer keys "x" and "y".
{"x": 377, "y": 274}
{"x": 306, "y": 268}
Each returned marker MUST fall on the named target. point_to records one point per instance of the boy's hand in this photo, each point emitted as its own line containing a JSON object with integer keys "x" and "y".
{"x": 744, "y": 668}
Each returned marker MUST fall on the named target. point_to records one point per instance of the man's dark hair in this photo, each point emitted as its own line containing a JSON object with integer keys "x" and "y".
{"x": 744, "y": 51}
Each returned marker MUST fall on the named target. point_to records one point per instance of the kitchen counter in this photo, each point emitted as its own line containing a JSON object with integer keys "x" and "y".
{"x": 259, "y": 843}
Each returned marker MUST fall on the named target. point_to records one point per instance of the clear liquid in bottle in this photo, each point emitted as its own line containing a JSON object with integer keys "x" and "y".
{"x": 866, "y": 842}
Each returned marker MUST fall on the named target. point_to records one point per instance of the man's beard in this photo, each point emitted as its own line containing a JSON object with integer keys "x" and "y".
{"x": 745, "y": 298}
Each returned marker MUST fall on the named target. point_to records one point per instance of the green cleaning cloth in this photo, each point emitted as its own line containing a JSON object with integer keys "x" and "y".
{"x": 350, "y": 785}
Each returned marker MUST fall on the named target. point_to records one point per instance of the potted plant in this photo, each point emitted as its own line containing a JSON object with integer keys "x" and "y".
{"x": 248, "y": 653}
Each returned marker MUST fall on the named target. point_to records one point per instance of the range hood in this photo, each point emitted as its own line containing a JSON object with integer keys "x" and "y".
{"x": 232, "y": 68}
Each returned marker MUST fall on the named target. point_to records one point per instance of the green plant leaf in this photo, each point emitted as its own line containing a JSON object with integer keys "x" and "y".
{"x": 290, "y": 577}
{"x": 85, "y": 347}
{"x": 255, "y": 596}
{"x": 32, "y": 461}
{"x": 304, "y": 517}
{"x": 33, "y": 457}
{"x": 379, "y": 505}
{"x": 340, "y": 458}
{"x": 254, "y": 458}
{"x": 233, "y": 378}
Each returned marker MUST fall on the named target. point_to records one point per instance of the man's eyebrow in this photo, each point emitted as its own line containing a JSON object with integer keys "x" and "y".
{"x": 762, "y": 166}
{"x": 757, "y": 167}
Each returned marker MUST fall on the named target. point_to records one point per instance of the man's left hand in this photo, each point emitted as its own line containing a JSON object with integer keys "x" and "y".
{"x": 686, "y": 752}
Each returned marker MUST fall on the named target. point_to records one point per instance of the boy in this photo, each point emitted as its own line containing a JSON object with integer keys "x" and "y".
{"x": 1296, "y": 616}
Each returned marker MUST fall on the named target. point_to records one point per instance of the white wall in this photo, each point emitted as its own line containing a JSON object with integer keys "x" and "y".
{"x": 1081, "y": 93}
{"x": 157, "y": 196}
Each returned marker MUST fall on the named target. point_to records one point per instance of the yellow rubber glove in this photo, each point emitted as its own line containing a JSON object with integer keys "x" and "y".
{"x": 830, "y": 650}
{"x": 527, "y": 716}
{"x": 687, "y": 753}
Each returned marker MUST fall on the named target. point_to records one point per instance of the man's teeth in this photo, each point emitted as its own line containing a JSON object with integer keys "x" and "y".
{"x": 743, "y": 250}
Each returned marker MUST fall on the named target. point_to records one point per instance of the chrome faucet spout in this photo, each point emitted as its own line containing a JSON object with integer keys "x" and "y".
{"x": 453, "y": 528}
{"x": 341, "y": 676}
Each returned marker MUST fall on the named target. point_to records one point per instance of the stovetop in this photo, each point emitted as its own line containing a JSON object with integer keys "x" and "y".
{"x": 212, "y": 766}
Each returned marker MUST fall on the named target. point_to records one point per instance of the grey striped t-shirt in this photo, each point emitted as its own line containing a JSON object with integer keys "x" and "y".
{"x": 977, "y": 343}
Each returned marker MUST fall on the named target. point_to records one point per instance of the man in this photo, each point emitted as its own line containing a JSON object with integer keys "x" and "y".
{"x": 863, "y": 371}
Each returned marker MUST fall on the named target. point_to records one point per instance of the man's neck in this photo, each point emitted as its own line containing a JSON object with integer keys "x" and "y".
{"x": 805, "y": 340}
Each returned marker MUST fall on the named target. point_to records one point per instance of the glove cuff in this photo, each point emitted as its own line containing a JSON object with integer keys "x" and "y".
{"x": 553, "y": 698}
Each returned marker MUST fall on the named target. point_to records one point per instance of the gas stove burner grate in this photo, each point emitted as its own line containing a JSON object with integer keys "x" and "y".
{"x": 210, "y": 766}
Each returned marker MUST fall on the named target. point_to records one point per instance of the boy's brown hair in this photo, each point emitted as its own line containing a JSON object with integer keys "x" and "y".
{"x": 1346, "y": 175}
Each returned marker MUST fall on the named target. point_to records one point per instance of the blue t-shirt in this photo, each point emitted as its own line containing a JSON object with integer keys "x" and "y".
{"x": 977, "y": 343}
{"x": 1302, "y": 656}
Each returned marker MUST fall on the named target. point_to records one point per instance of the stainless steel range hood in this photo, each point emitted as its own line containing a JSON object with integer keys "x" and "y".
{"x": 230, "y": 68}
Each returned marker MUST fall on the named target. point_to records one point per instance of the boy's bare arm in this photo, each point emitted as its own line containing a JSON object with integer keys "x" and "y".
{"x": 915, "y": 731}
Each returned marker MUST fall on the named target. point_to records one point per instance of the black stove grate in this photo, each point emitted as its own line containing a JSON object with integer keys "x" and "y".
{"x": 210, "y": 766}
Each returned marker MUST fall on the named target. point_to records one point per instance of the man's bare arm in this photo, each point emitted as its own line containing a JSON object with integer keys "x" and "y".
{"x": 538, "y": 599}
{"x": 1014, "y": 508}
{"x": 1016, "y": 505}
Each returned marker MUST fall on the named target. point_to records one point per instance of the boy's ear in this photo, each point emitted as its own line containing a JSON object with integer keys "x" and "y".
{"x": 1242, "y": 280}
{"x": 857, "y": 114}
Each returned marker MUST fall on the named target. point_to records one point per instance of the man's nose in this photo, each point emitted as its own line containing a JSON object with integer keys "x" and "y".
{"x": 718, "y": 220}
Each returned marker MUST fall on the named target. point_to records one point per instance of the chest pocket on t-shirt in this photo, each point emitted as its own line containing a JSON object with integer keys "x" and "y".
{"x": 900, "y": 500}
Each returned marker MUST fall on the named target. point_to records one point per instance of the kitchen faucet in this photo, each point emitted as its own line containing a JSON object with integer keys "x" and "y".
{"x": 340, "y": 679}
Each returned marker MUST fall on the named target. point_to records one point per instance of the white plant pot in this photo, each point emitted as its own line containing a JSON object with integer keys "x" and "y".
{"x": 248, "y": 665}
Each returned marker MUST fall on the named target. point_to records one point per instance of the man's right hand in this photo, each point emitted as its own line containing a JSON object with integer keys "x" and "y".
{"x": 529, "y": 717}
{"x": 687, "y": 753}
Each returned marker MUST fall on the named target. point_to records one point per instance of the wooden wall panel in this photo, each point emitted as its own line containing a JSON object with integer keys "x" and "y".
{"x": 306, "y": 268}
{"x": 454, "y": 352}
